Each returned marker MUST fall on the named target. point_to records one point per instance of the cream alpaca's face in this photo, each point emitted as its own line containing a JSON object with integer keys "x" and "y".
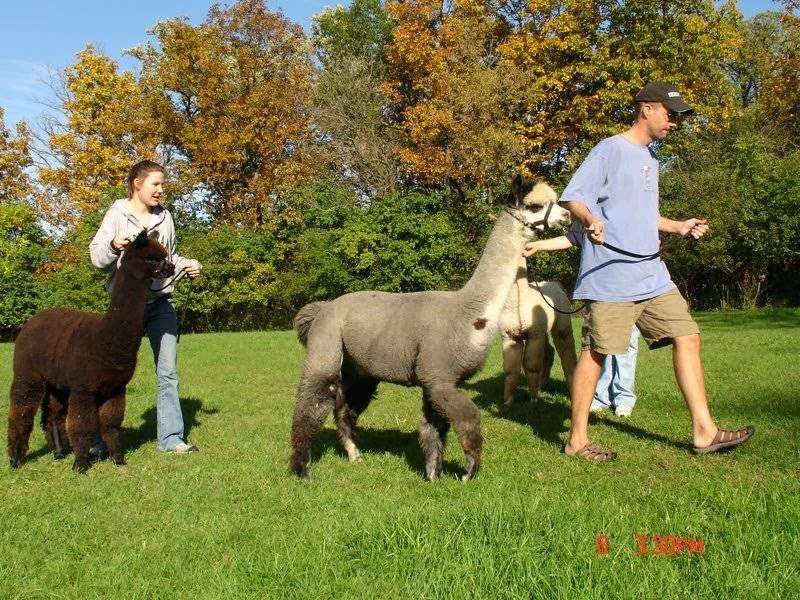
{"x": 537, "y": 206}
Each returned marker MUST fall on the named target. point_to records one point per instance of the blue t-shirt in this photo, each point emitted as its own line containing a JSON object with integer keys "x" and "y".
{"x": 618, "y": 182}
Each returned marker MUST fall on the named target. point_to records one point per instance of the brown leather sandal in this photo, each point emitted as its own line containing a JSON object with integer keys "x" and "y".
{"x": 726, "y": 438}
{"x": 592, "y": 452}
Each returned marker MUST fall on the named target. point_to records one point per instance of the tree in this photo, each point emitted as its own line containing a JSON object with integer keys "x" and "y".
{"x": 781, "y": 86}
{"x": 23, "y": 249}
{"x": 361, "y": 30}
{"x": 230, "y": 98}
{"x": 349, "y": 112}
{"x": 480, "y": 87}
{"x": 105, "y": 130}
{"x": 15, "y": 158}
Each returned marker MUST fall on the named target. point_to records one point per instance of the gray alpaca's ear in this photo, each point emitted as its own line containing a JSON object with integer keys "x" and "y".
{"x": 141, "y": 239}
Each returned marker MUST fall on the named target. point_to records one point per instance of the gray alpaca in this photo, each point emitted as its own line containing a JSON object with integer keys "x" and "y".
{"x": 433, "y": 339}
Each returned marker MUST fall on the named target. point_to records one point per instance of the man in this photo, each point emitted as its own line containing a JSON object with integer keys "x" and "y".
{"x": 614, "y": 195}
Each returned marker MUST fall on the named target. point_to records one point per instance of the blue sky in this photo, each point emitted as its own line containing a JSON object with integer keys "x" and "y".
{"x": 38, "y": 35}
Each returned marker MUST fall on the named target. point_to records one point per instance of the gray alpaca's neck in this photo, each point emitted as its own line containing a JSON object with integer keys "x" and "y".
{"x": 122, "y": 327}
{"x": 485, "y": 293}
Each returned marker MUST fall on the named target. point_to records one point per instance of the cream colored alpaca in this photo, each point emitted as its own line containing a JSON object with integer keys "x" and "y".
{"x": 525, "y": 324}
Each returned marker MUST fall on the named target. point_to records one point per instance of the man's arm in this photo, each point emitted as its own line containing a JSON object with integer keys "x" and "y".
{"x": 591, "y": 224}
{"x": 697, "y": 228}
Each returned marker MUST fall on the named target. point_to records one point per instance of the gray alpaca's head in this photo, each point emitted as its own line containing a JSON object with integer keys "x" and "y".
{"x": 536, "y": 205}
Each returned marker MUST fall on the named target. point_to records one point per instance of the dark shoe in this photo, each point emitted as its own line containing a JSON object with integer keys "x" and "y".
{"x": 726, "y": 438}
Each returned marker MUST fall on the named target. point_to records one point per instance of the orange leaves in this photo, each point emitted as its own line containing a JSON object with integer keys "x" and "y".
{"x": 231, "y": 97}
{"x": 482, "y": 88}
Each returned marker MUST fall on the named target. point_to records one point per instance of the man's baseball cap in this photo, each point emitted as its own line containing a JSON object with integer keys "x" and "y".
{"x": 668, "y": 95}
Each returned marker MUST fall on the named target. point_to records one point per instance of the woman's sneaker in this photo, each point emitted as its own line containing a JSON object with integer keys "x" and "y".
{"x": 182, "y": 448}
{"x": 623, "y": 411}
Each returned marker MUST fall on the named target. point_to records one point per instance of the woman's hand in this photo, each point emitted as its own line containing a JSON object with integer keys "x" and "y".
{"x": 531, "y": 248}
{"x": 120, "y": 242}
{"x": 194, "y": 269}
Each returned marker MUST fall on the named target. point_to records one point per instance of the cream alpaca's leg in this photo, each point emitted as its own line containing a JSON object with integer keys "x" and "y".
{"x": 533, "y": 362}
{"x": 565, "y": 346}
{"x": 512, "y": 363}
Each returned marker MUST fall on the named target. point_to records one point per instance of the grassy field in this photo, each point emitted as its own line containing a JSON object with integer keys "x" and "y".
{"x": 230, "y": 522}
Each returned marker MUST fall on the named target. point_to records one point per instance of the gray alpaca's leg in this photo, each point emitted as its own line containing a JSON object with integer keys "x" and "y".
{"x": 464, "y": 416}
{"x": 533, "y": 362}
{"x": 82, "y": 427}
{"x": 356, "y": 395}
{"x": 565, "y": 346}
{"x": 25, "y": 398}
{"x": 432, "y": 433}
{"x": 512, "y": 363}
{"x": 110, "y": 416}
{"x": 319, "y": 391}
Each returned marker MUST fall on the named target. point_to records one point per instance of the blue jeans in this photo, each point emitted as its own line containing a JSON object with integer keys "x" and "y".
{"x": 615, "y": 388}
{"x": 162, "y": 329}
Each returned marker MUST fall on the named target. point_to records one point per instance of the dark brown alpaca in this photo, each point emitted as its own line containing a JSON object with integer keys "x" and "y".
{"x": 77, "y": 364}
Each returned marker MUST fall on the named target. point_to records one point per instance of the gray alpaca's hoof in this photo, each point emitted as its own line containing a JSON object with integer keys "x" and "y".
{"x": 59, "y": 455}
{"x": 472, "y": 468}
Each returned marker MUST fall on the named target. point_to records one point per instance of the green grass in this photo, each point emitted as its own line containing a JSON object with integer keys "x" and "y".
{"x": 230, "y": 522}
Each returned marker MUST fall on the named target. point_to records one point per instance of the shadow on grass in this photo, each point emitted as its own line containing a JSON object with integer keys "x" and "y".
{"x": 146, "y": 432}
{"x": 549, "y": 419}
{"x": 403, "y": 444}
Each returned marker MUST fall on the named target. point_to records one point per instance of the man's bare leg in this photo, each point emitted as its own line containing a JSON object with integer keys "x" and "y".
{"x": 689, "y": 375}
{"x": 584, "y": 382}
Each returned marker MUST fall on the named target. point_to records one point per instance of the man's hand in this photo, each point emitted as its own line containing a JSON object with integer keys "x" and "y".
{"x": 193, "y": 269}
{"x": 696, "y": 228}
{"x": 595, "y": 231}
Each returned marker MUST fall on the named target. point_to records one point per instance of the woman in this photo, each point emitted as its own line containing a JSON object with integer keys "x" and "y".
{"x": 125, "y": 218}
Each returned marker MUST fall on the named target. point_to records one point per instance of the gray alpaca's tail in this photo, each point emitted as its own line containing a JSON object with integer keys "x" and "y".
{"x": 304, "y": 318}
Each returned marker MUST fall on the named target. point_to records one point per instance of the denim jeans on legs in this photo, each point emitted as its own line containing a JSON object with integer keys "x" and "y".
{"x": 162, "y": 329}
{"x": 615, "y": 388}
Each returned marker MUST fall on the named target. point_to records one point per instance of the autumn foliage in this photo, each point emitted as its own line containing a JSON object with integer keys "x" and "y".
{"x": 370, "y": 150}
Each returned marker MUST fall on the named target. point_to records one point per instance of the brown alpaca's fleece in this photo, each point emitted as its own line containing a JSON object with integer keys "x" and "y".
{"x": 76, "y": 364}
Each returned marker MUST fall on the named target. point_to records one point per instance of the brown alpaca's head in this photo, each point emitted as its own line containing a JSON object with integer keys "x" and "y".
{"x": 146, "y": 258}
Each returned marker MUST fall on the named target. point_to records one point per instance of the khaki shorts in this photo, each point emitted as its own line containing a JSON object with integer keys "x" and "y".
{"x": 607, "y": 325}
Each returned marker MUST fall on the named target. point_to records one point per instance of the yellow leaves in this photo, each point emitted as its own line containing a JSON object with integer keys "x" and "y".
{"x": 14, "y": 159}
{"x": 106, "y": 132}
